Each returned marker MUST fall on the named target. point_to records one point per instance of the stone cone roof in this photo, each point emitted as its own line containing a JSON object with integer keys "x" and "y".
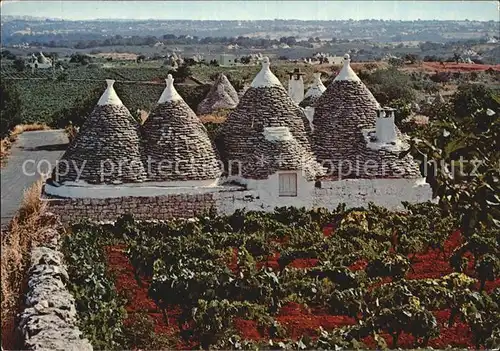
{"x": 43, "y": 59}
{"x": 341, "y": 113}
{"x": 176, "y": 146}
{"x": 107, "y": 147}
{"x": 314, "y": 92}
{"x": 267, "y": 104}
{"x": 222, "y": 95}
{"x": 268, "y": 157}
{"x": 243, "y": 91}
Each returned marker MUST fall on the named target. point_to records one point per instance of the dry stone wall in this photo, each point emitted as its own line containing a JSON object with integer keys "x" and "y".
{"x": 143, "y": 208}
{"x": 49, "y": 321}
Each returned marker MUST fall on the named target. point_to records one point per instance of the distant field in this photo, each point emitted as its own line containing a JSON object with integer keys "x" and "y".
{"x": 459, "y": 67}
{"x": 140, "y": 85}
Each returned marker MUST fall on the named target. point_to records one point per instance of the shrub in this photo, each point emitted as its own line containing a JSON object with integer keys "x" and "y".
{"x": 10, "y": 108}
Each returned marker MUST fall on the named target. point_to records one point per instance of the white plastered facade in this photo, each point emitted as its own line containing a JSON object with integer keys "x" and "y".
{"x": 105, "y": 191}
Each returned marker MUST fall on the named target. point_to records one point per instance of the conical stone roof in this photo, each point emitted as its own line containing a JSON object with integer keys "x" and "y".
{"x": 43, "y": 59}
{"x": 176, "y": 146}
{"x": 314, "y": 92}
{"x": 342, "y": 112}
{"x": 222, "y": 95}
{"x": 266, "y": 105}
{"x": 107, "y": 147}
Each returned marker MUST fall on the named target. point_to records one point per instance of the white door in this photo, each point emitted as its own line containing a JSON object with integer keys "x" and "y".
{"x": 288, "y": 184}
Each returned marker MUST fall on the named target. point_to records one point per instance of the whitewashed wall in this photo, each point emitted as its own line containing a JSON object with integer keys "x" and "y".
{"x": 261, "y": 195}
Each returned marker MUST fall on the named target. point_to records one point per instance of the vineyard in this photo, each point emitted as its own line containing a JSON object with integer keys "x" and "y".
{"x": 291, "y": 279}
{"x": 45, "y": 100}
{"x": 49, "y": 96}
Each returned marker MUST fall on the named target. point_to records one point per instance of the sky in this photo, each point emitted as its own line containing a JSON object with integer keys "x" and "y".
{"x": 254, "y": 10}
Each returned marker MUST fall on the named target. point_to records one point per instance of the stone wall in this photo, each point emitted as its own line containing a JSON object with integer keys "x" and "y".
{"x": 151, "y": 207}
{"x": 49, "y": 321}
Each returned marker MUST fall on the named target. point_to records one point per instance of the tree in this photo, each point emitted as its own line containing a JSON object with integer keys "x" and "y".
{"x": 8, "y": 55}
{"x": 411, "y": 58}
{"x": 19, "y": 64}
{"x": 470, "y": 98}
{"x": 80, "y": 58}
{"x": 245, "y": 60}
{"x": 467, "y": 142}
{"x": 10, "y": 108}
{"x": 181, "y": 73}
{"x": 396, "y": 62}
{"x": 388, "y": 85}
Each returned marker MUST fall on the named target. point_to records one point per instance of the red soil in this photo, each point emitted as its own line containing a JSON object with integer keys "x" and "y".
{"x": 358, "y": 265}
{"x": 328, "y": 230}
{"x": 248, "y": 329}
{"x": 459, "y": 67}
{"x": 303, "y": 324}
{"x": 233, "y": 265}
{"x": 272, "y": 262}
{"x": 295, "y": 318}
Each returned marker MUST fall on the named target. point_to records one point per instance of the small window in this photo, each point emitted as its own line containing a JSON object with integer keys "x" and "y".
{"x": 288, "y": 184}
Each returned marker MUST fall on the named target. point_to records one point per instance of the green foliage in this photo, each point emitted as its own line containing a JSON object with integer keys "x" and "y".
{"x": 396, "y": 62}
{"x": 459, "y": 154}
{"x": 19, "y": 64}
{"x": 78, "y": 112}
{"x": 470, "y": 98}
{"x": 181, "y": 73}
{"x": 140, "y": 333}
{"x": 10, "y": 108}
{"x": 389, "y": 85}
{"x": 101, "y": 310}
{"x": 82, "y": 59}
{"x": 44, "y": 101}
{"x": 215, "y": 269}
{"x": 389, "y": 265}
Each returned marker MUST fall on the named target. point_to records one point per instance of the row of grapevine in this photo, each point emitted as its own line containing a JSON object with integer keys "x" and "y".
{"x": 221, "y": 270}
{"x": 43, "y": 100}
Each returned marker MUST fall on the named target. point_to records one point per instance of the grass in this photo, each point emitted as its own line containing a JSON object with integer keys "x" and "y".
{"x": 26, "y": 230}
{"x": 6, "y": 143}
{"x": 21, "y": 128}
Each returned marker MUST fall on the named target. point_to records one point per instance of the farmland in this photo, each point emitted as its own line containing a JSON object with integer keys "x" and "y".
{"x": 48, "y": 95}
{"x": 359, "y": 278}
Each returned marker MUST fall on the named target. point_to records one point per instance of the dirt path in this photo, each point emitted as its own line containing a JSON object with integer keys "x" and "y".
{"x": 33, "y": 153}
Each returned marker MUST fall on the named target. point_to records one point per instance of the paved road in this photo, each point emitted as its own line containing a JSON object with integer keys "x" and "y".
{"x": 38, "y": 151}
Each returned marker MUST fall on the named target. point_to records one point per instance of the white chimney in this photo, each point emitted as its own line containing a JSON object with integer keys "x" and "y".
{"x": 296, "y": 85}
{"x": 277, "y": 133}
{"x": 309, "y": 112}
{"x": 385, "y": 127}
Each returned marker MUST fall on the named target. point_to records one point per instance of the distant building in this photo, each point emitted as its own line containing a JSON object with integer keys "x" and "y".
{"x": 41, "y": 62}
{"x": 227, "y": 60}
{"x": 223, "y": 59}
